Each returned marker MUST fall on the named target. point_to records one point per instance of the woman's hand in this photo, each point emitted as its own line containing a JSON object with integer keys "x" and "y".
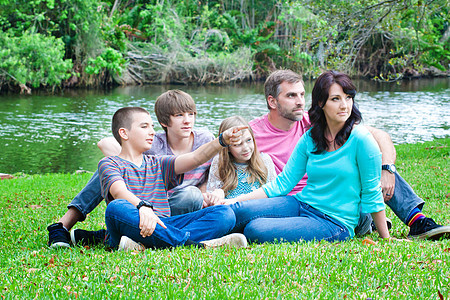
{"x": 148, "y": 220}
{"x": 379, "y": 218}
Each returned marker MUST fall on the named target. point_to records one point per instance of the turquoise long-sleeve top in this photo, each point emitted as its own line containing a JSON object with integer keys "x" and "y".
{"x": 340, "y": 183}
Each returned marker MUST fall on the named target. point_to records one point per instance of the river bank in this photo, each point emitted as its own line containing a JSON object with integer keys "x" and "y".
{"x": 93, "y": 43}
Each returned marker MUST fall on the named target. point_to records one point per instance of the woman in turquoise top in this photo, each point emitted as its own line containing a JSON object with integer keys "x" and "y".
{"x": 343, "y": 163}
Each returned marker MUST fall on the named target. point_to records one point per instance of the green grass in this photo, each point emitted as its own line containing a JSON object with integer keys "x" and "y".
{"x": 348, "y": 270}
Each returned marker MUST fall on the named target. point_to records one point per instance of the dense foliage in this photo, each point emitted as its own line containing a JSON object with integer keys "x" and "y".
{"x": 95, "y": 42}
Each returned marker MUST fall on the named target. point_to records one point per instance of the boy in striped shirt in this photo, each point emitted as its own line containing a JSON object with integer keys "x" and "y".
{"x": 135, "y": 187}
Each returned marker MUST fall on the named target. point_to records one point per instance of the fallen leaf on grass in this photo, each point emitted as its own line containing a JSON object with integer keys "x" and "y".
{"x": 447, "y": 250}
{"x": 32, "y": 270}
{"x": 368, "y": 241}
{"x": 440, "y": 295}
{"x": 34, "y": 206}
{"x": 447, "y": 196}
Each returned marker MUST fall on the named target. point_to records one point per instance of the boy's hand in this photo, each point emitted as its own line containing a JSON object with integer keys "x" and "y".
{"x": 233, "y": 135}
{"x": 148, "y": 221}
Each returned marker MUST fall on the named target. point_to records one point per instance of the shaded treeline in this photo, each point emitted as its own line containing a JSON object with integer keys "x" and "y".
{"x": 62, "y": 43}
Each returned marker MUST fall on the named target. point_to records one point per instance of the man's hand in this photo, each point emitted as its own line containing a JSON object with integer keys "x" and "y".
{"x": 148, "y": 221}
{"x": 387, "y": 184}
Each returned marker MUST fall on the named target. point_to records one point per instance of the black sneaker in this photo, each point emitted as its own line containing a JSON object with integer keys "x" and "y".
{"x": 426, "y": 228}
{"x": 388, "y": 224}
{"x": 88, "y": 238}
{"x": 58, "y": 236}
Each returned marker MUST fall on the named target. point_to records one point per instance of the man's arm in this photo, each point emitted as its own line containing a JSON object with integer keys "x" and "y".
{"x": 388, "y": 156}
{"x": 147, "y": 218}
{"x": 192, "y": 160}
{"x": 109, "y": 146}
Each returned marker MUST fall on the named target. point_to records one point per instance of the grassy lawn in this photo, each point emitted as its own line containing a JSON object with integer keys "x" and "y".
{"x": 349, "y": 270}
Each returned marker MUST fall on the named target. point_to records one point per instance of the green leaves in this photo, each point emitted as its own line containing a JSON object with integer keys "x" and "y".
{"x": 110, "y": 60}
{"x": 33, "y": 59}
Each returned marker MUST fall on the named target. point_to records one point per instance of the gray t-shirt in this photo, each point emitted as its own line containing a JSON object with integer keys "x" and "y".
{"x": 194, "y": 177}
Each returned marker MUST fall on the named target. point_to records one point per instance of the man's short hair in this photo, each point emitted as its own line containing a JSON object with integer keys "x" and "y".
{"x": 123, "y": 118}
{"x": 273, "y": 82}
{"x": 173, "y": 102}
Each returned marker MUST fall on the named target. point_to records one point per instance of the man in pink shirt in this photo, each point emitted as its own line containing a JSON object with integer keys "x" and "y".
{"x": 277, "y": 133}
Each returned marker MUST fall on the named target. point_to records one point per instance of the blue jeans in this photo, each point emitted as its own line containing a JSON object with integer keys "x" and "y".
{"x": 184, "y": 201}
{"x": 402, "y": 203}
{"x": 122, "y": 218}
{"x": 285, "y": 219}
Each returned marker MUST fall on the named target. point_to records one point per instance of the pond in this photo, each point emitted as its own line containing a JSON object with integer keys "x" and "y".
{"x": 58, "y": 133}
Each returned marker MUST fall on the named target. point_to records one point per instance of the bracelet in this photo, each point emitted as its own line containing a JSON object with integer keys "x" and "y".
{"x": 143, "y": 203}
{"x": 221, "y": 141}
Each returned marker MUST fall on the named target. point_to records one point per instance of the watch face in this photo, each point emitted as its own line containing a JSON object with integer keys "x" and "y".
{"x": 392, "y": 168}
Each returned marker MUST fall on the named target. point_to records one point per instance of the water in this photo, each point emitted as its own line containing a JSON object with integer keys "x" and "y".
{"x": 58, "y": 133}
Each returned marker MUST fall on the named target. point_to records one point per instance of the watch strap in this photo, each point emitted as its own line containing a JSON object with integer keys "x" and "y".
{"x": 221, "y": 141}
{"x": 143, "y": 203}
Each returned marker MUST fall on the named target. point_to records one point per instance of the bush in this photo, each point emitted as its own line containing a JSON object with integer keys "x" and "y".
{"x": 32, "y": 59}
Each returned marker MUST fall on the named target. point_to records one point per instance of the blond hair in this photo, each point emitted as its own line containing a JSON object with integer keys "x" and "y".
{"x": 226, "y": 167}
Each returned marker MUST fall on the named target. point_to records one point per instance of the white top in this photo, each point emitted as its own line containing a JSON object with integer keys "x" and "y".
{"x": 243, "y": 187}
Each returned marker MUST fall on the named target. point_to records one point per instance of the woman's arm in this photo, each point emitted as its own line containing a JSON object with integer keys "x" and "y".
{"x": 368, "y": 159}
{"x": 379, "y": 218}
{"x": 293, "y": 171}
{"x": 256, "y": 194}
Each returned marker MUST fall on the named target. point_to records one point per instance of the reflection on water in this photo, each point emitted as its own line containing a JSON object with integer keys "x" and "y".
{"x": 58, "y": 133}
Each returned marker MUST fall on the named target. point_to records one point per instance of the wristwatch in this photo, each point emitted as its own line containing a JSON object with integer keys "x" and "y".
{"x": 222, "y": 141}
{"x": 390, "y": 168}
{"x": 143, "y": 203}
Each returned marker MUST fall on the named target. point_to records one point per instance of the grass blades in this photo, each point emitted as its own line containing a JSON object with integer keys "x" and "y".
{"x": 349, "y": 270}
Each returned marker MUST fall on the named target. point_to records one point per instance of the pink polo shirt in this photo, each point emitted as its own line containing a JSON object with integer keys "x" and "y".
{"x": 278, "y": 143}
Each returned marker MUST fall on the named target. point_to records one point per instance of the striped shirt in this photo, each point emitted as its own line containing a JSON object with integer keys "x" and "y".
{"x": 195, "y": 177}
{"x": 149, "y": 182}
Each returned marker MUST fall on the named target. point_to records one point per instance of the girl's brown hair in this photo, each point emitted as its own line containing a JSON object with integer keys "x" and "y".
{"x": 226, "y": 168}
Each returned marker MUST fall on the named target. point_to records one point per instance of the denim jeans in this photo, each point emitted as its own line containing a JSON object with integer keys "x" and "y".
{"x": 402, "y": 204}
{"x": 285, "y": 219}
{"x": 122, "y": 218}
{"x": 186, "y": 200}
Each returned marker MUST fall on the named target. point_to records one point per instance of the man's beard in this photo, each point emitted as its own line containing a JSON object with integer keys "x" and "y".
{"x": 290, "y": 115}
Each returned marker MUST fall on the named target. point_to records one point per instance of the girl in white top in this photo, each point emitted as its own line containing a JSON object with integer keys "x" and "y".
{"x": 239, "y": 169}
